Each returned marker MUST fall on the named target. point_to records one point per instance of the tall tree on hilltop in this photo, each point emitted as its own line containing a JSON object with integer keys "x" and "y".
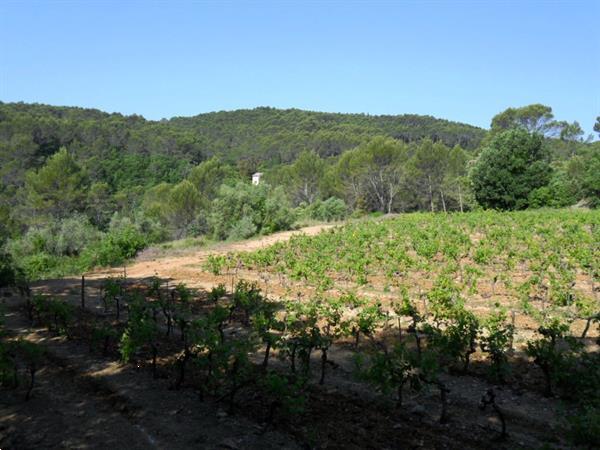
{"x": 534, "y": 118}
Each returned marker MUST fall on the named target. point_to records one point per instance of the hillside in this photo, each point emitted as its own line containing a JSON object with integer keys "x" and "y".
{"x": 279, "y": 135}
{"x": 31, "y": 132}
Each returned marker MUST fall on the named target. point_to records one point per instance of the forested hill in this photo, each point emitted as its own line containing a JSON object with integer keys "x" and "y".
{"x": 263, "y": 136}
{"x": 278, "y": 135}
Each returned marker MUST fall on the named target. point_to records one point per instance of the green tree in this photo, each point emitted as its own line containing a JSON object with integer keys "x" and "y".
{"x": 183, "y": 206}
{"x": 456, "y": 181}
{"x": 559, "y": 192}
{"x": 571, "y": 132}
{"x": 348, "y": 179}
{"x": 305, "y": 177}
{"x": 100, "y": 204}
{"x": 58, "y": 188}
{"x": 591, "y": 180}
{"x": 514, "y": 164}
{"x": 384, "y": 161}
{"x": 156, "y": 201}
{"x": 9, "y": 274}
{"x": 209, "y": 175}
{"x": 429, "y": 166}
{"x": 243, "y": 210}
{"x": 597, "y": 125}
{"x": 534, "y": 118}
{"x": 373, "y": 174}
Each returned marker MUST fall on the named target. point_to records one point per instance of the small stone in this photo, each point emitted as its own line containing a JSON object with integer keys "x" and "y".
{"x": 221, "y": 414}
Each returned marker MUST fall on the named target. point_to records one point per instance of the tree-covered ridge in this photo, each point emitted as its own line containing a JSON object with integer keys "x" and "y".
{"x": 280, "y": 134}
{"x": 270, "y": 135}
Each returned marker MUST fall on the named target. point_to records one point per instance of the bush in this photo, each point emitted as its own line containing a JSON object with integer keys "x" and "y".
{"x": 199, "y": 226}
{"x": 557, "y": 194}
{"x": 67, "y": 237}
{"x": 237, "y": 208}
{"x": 331, "y": 209}
{"x": 115, "y": 247}
{"x": 38, "y": 264}
{"x": 73, "y": 245}
{"x": 242, "y": 229}
{"x": 278, "y": 214}
{"x": 73, "y": 234}
{"x": 591, "y": 181}
{"x": 540, "y": 197}
{"x": 148, "y": 226}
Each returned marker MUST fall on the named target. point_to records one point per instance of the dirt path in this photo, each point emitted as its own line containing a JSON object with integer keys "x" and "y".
{"x": 187, "y": 267}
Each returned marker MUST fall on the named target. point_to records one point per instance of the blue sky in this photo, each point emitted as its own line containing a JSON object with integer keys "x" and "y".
{"x": 460, "y": 60}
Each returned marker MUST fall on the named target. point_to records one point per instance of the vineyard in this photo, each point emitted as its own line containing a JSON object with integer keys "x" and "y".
{"x": 423, "y": 330}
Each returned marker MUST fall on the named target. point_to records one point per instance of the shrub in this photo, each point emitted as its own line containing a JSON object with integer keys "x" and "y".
{"x": 73, "y": 235}
{"x": 115, "y": 247}
{"x": 278, "y": 215}
{"x": 38, "y": 264}
{"x": 237, "y": 209}
{"x": 242, "y": 229}
{"x": 331, "y": 209}
{"x": 67, "y": 237}
{"x": 553, "y": 358}
{"x": 496, "y": 341}
{"x": 557, "y": 194}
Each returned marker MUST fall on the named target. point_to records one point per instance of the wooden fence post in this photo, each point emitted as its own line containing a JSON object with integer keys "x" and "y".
{"x": 82, "y": 292}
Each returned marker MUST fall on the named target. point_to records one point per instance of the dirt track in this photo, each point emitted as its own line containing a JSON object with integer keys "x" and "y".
{"x": 187, "y": 267}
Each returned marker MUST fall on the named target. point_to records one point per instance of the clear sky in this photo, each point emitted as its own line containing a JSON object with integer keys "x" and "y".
{"x": 460, "y": 60}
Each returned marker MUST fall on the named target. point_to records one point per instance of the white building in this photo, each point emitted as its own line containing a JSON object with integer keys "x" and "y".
{"x": 256, "y": 178}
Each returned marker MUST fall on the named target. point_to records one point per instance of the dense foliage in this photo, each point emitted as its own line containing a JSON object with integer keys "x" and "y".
{"x": 513, "y": 165}
{"x": 79, "y": 187}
